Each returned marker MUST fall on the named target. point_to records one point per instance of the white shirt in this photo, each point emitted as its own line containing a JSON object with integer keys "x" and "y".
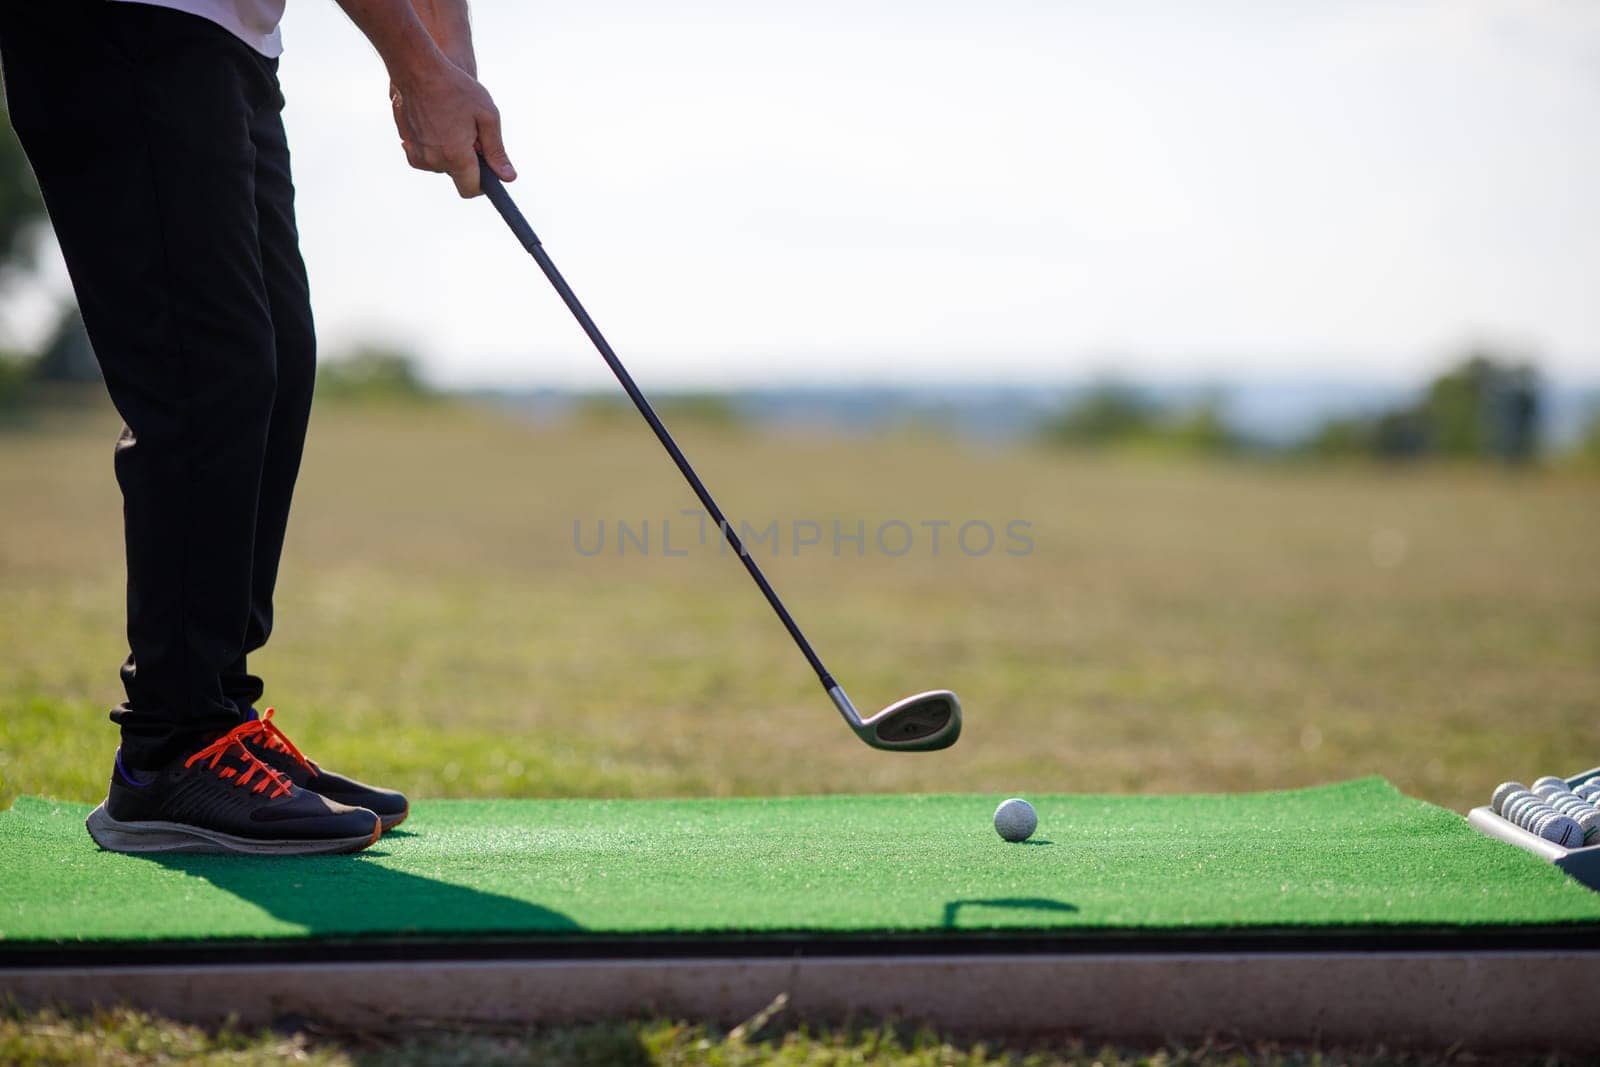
{"x": 255, "y": 22}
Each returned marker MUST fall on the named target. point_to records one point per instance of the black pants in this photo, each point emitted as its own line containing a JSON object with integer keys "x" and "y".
{"x": 157, "y": 140}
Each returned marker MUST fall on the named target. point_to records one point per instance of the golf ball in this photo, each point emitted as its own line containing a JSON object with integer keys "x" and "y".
{"x": 1519, "y": 808}
{"x": 1549, "y": 779}
{"x": 1513, "y": 803}
{"x": 1588, "y": 790}
{"x": 1562, "y": 830}
{"x": 1015, "y": 819}
{"x": 1503, "y": 793}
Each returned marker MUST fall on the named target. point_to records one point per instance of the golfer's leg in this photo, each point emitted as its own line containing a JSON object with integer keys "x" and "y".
{"x": 290, "y": 304}
{"x": 289, "y": 300}
{"x": 137, "y": 122}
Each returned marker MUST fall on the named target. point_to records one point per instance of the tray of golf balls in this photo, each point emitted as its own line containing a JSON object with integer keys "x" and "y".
{"x": 1556, "y": 818}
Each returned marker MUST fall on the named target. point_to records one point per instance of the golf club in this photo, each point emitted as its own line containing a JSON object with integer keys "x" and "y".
{"x": 919, "y": 723}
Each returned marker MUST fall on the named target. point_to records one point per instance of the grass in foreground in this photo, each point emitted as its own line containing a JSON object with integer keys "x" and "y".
{"x": 118, "y": 1038}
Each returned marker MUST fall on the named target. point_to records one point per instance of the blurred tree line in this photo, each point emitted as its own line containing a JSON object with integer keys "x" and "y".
{"x": 1484, "y": 407}
{"x": 372, "y": 374}
{"x": 1119, "y": 416}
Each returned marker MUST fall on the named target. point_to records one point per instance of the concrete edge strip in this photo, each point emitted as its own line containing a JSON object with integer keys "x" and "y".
{"x": 1513, "y": 999}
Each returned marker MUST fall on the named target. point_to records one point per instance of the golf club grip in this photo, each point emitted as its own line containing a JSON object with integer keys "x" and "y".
{"x": 495, "y": 190}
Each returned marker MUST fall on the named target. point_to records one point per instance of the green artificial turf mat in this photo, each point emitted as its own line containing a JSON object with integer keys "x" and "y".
{"x": 1357, "y": 854}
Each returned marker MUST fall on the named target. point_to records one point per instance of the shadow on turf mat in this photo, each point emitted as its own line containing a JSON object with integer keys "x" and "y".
{"x": 952, "y": 909}
{"x": 343, "y": 895}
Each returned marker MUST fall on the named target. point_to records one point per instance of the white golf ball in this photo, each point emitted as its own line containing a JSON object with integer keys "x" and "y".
{"x": 1549, "y": 779}
{"x": 1502, "y": 793}
{"x": 1519, "y": 810}
{"x": 1015, "y": 819}
{"x": 1588, "y": 790}
{"x": 1543, "y": 814}
{"x": 1513, "y": 804}
{"x": 1534, "y": 821}
{"x": 1562, "y": 830}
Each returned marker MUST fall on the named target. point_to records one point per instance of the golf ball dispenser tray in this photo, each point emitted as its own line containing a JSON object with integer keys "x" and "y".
{"x": 1581, "y": 863}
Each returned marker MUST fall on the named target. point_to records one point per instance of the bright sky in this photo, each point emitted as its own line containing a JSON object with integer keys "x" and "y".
{"x": 849, "y": 190}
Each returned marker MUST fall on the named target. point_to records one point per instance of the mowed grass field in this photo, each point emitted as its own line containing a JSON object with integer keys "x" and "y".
{"x": 1177, "y": 626}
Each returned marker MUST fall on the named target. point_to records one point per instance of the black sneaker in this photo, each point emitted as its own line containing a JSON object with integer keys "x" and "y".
{"x": 269, "y": 745}
{"x": 223, "y": 799}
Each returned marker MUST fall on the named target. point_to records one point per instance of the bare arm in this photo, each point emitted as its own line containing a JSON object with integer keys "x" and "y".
{"x": 445, "y": 117}
{"x": 450, "y": 27}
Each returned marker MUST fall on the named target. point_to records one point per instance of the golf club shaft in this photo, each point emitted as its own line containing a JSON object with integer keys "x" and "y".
{"x": 503, "y": 203}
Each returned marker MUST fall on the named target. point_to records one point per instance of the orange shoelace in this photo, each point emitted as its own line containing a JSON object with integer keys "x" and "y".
{"x": 223, "y": 746}
{"x": 274, "y": 739}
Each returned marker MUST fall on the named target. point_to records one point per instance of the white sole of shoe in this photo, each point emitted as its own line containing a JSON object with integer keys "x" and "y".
{"x": 155, "y": 836}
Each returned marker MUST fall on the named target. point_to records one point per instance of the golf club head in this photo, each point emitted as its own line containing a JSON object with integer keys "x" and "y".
{"x": 920, "y": 723}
